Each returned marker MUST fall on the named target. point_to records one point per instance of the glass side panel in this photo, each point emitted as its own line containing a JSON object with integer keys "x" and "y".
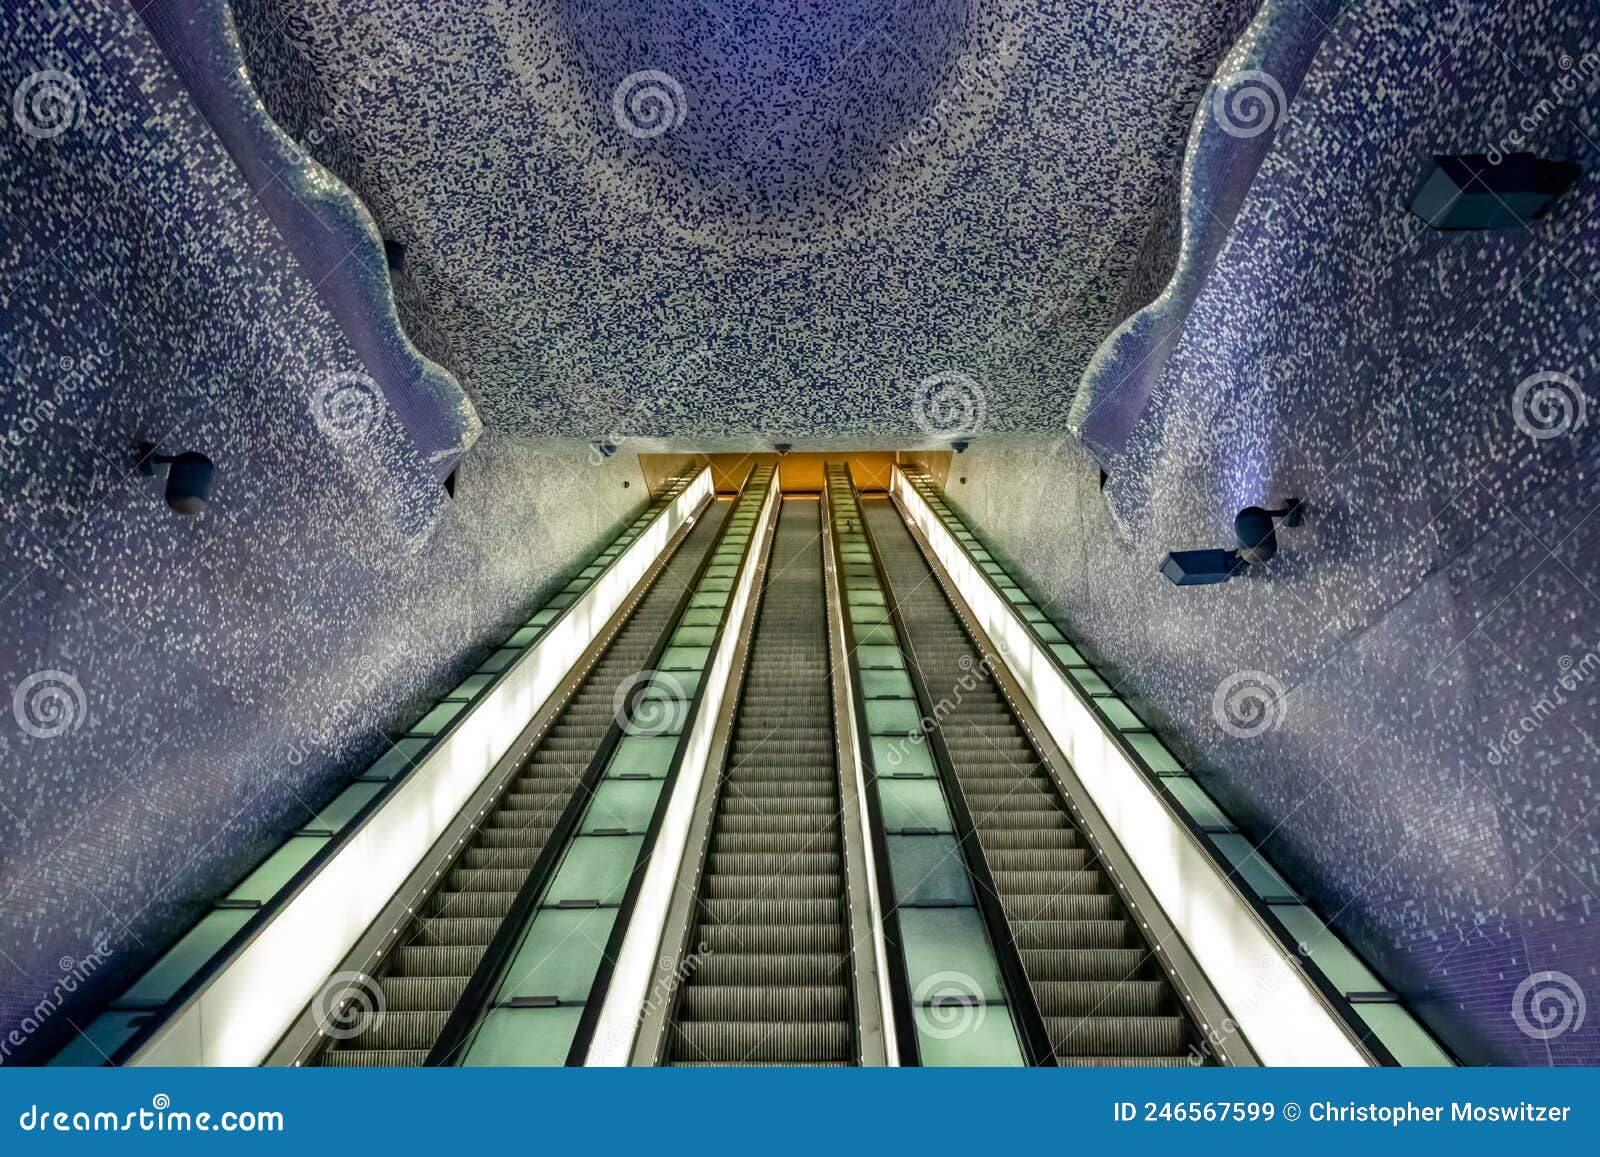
{"x": 1343, "y": 968}
{"x": 875, "y": 634}
{"x": 893, "y": 755}
{"x": 436, "y": 720}
{"x": 344, "y": 806}
{"x": 1155, "y": 753}
{"x": 1194, "y": 800}
{"x": 693, "y": 636}
{"x": 397, "y": 759}
{"x": 595, "y": 868}
{"x": 512, "y": 1037}
{"x": 1049, "y": 633}
{"x": 621, "y": 803}
{"x": 928, "y": 870}
{"x": 501, "y": 660}
{"x": 559, "y": 602}
{"x": 947, "y": 950}
{"x": 560, "y": 954}
{"x": 707, "y": 617}
{"x": 885, "y": 685}
{"x": 978, "y": 1036}
{"x": 892, "y": 716}
{"x": 1091, "y": 682}
{"x": 104, "y": 1035}
{"x": 471, "y": 686}
{"x": 1119, "y": 714}
{"x": 684, "y": 658}
{"x": 1068, "y": 654}
{"x": 1032, "y": 614}
{"x": 187, "y": 956}
{"x": 865, "y": 597}
{"x": 1403, "y": 1036}
{"x": 265, "y": 882}
{"x": 1255, "y": 871}
{"x": 913, "y": 803}
{"x": 879, "y": 658}
{"x": 711, "y": 599}
{"x": 523, "y": 637}
{"x": 642, "y": 755}
{"x": 869, "y": 615}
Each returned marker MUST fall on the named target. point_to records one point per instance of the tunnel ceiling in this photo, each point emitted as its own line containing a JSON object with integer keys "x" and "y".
{"x": 731, "y": 221}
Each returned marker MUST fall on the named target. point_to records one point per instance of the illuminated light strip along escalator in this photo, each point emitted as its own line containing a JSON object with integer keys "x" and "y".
{"x": 1098, "y": 986}
{"x": 774, "y": 983}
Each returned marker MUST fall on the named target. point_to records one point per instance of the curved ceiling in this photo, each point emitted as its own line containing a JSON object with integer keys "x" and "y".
{"x": 733, "y": 221}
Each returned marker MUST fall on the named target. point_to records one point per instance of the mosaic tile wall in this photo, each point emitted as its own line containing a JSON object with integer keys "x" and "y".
{"x": 1428, "y": 645}
{"x": 179, "y": 692}
{"x": 840, "y": 198}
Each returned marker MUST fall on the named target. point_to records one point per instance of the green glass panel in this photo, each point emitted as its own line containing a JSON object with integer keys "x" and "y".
{"x": 947, "y": 949}
{"x": 95, "y": 1044}
{"x": 344, "y": 806}
{"x": 1017, "y": 595}
{"x": 594, "y": 868}
{"x": 684, "y": 659}
{"x": 879, "y": 658}
{"x": 545, "y": 617}
{"x": 685, "y": 682}
{"x": 523, "y": 637}
{"x": 975, "y": 1037}
{"x": 1031, "y": 614}
{"x": 894, "y": 755}
{"x": 1119, "y": 713}
{"x": 397, "y": 759}
{"x": 621, "y": 803}
{"x": 1403, "y": 1036}
{"x": 928, "y": 870}
{"x": 436, "y": 720}
{"x": 867, "y": 597}
{"x": 471, "y": 686}
{"x": 499, "y": 661}
{"x": 886, "y": 685}
{"x": 875, "y": 634}
{"x": 892, "y": 716}
{"x": 913, "y": 803}
{"x": 265, "y": 882}
{"x": 1344, "y": 968}
{"x": 1155, "y": 753}
{"x": 163, "y": 978}
{"x": 708, "y": 617}
{"x": 693, "y": 636}
{"x": 867, "y": 615}
{"x": 712, "y": 584}
{"x": 1091, "y": 683}
{"x": 1048, "y": 633}
{"x": 1256, "y": 872}
{"x": 523, "y": 1037}
{"x": 722, "y": 573}
{"x": 560, "y": 954}
{"x": 1194, "y": 800}
{"x": 708, "y": 599}
{"x": 559, "y": 602}
{"x": 642, "y": 755}
{"x": 1068, "y": 654}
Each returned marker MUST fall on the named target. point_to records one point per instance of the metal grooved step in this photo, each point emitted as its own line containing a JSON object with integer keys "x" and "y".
{"x": 1100, "y": 988}
{"x": 423, "y": 976}
{"x": 772, "y": 984}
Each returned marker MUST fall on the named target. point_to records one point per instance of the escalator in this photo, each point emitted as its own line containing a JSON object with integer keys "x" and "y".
{"x": 1097, "y": 984}
{"x": 424, "y": 975}
{"x": 771, "y": 910}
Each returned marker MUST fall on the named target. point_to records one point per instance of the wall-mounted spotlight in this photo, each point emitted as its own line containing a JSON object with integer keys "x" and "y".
{"x": 1256, "y": 530}
{"x": 189, "y": 477}
{"x": 960, "y": 446}
{"x": 783, "y": 447}
{"x": 606, "y": 447}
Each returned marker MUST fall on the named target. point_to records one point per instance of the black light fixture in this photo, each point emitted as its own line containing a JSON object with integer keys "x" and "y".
{"x": 783, "y": 447}
{"x": 960, "y": 445}
{"x": 1254, "y": 527}
{"x": 189, "y": 477}
{"x": 606, "y": 447}
{"x": 1494, "y": 191}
